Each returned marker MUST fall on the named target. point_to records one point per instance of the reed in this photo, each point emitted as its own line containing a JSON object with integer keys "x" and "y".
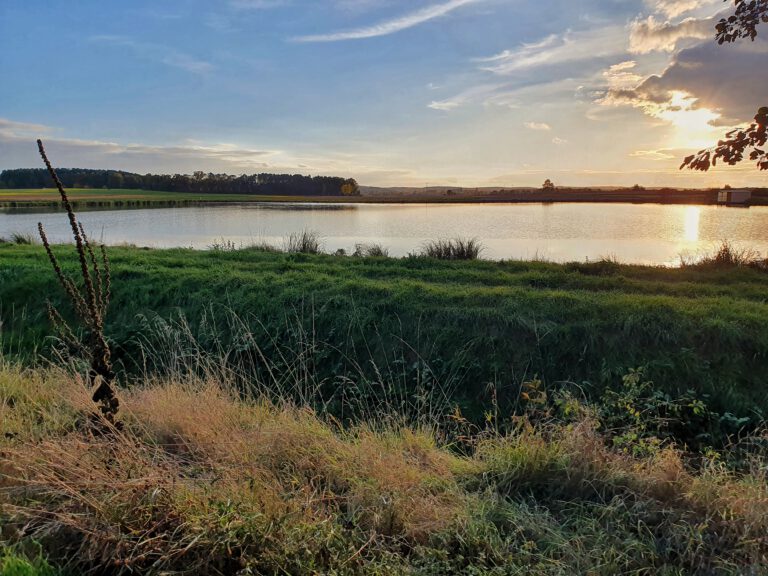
{"x": 453, "y": 249}
{"x": 304, "y": 242}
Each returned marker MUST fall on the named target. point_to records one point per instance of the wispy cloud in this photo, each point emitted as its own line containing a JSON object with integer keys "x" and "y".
{"x": 12, "y": 128}
{"x": 540, "y": 126}
{"x": 650, "y": 35}
{"x": 558, "y": 49}
{"x": 674, "y": 8}
{"x": 390, "y": 26}
{"x": 158, "y": 53}
{"x": 256, "y": 4}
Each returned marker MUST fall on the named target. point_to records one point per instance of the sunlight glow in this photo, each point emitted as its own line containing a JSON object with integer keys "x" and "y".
{"x": 691, "y": 220}
{"x": 693, "y": 124}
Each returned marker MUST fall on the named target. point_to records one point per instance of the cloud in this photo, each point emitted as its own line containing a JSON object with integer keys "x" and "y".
{"x": 158, "y": 53}
{"x": 391, "y": 26}
{"x": 446, "y": 105}
{"x": 661, "y": 154}
{"x": 558, "y": 49}
{"x": 675, "y": 8}
{"x": 651, "y": 35}
{"x": 18, "y": 149}
{"x": 725, "y": 80}
{"x": 543, "y": 126}
{"x": 13, "y": 129}
{"x": 559, "y": 141}
{"x": 256, "y": 4}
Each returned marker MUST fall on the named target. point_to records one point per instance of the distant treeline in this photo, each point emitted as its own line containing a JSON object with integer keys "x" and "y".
{"x": 199, "y": 182}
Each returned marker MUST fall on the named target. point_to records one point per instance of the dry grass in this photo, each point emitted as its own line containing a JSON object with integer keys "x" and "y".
{"x": 199, "y": 479}
{"x": 202, "y": 482}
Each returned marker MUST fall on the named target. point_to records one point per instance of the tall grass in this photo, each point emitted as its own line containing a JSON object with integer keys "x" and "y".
{"x": 204, "y": 482}
{"x": 727, "y": 255}
{"x": 453, "y": 249}
{"x": 304, "y": 242}
{"x": 23, "y": 239}
{"x": 373, "y": 250}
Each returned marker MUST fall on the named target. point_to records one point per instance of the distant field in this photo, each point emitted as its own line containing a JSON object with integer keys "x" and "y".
{"x": 120, "y": 197}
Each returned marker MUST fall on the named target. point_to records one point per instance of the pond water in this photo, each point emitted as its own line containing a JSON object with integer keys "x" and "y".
{"x": 638, "y": 233}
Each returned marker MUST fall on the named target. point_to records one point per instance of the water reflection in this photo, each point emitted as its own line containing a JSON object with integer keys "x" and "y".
{"x": 692, "y": 220}
{"x": 647, "y": 233}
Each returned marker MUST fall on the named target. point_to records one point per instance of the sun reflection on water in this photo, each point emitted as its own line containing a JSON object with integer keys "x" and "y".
{"x": 692, "y": 218}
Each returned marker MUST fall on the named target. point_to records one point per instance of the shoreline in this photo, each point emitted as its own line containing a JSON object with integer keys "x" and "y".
{"x": 119, "y": 199}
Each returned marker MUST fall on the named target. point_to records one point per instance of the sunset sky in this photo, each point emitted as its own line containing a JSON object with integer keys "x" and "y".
{"x": 391, "y": 92}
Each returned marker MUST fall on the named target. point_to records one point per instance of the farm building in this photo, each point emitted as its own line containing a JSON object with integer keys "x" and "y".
{"x": 738, "y": 196}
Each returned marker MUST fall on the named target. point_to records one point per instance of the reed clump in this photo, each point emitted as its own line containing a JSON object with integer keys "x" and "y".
{"x": 727, "y": 255}
{"x": 304, "y": 242}
{"x": 373, "y": 250}
{"x": 453, "y": 249}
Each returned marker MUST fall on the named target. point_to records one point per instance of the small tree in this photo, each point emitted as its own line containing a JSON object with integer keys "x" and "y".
{"x": 548, "y": 185}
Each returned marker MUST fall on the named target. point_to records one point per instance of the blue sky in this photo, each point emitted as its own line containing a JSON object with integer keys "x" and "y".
{"x": 391, "y": 92}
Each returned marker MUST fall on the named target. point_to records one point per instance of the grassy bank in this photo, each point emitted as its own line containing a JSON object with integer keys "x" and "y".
{"x": 469, "y": 333}
{"x": 201, "y": 482}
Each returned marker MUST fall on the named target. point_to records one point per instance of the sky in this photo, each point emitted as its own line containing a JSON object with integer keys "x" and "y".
{"x": 390, "y": 92}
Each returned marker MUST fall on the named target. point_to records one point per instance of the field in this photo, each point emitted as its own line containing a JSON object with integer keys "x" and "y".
{"x": 115, "y": 198}
{"x": 469, "y": 327}
{"x": 306, "y": 413}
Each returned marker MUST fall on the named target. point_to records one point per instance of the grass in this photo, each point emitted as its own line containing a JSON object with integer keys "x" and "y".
{"x": 453, "y": 249}
{"x": 470, "y": 327}
{"x": 373, "y": 250}
{"x": 19, "y": 238}
{"x": 727, "y": 256}
{"x": 305, "y": 242}
{"x": 204, "y": 481}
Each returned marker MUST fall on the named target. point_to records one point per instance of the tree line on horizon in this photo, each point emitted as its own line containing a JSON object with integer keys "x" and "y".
{"x": 198, "y": 182}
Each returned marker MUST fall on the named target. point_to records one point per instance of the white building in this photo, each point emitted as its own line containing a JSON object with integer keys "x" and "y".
{"x": 738, "y": 196}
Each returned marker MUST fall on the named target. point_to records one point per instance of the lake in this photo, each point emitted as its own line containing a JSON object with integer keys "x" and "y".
{"x": 637, "y": 233}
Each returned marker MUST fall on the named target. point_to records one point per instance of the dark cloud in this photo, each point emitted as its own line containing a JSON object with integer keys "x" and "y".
{"x": 730, "y": 80}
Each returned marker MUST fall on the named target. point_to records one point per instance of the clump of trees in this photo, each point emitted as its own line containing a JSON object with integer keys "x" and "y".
{"x": 199, "y": 182}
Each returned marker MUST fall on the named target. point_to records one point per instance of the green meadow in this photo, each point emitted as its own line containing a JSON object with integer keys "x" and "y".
{"x": 467, "y": 326}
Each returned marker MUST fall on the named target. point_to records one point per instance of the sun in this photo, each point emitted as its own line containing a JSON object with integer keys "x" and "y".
{"x": 694, "y": 125}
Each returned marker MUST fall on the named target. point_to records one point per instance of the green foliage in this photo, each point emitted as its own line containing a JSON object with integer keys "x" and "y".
{"x": 13, "y": 562}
